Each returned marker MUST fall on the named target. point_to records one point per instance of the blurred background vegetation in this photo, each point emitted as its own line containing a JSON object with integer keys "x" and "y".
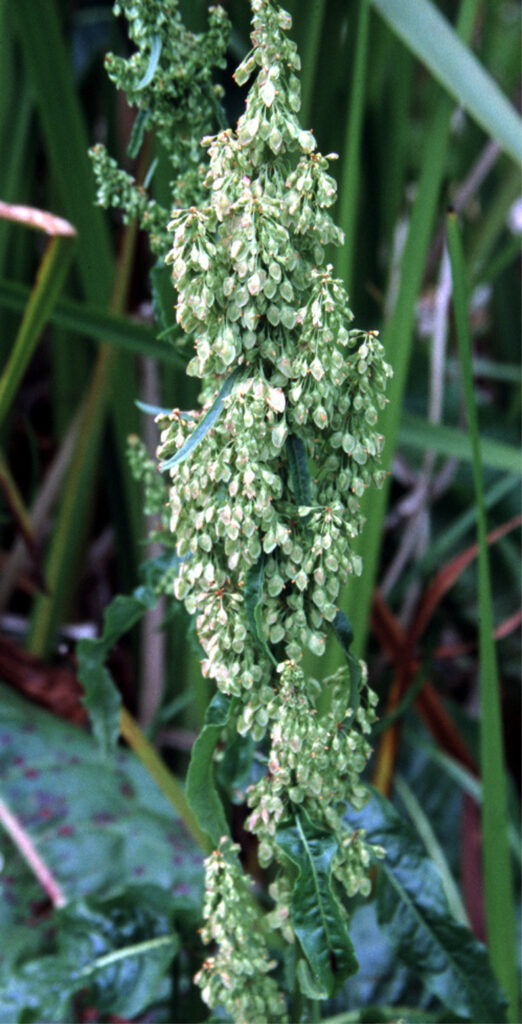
{"x": 78, "y": 314}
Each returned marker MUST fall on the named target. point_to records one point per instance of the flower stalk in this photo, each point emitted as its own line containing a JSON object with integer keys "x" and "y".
{"x": 263, "y": 505}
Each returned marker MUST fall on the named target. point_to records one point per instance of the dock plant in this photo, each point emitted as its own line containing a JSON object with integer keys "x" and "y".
{"x": 259, "y": 498}
{"x": 235, "y": 865}
{"x": 264, "y": 483}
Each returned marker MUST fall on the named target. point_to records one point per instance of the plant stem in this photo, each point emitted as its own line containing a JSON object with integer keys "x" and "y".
{"x": 156, "y": 767}
{"x": 26, "y": 847}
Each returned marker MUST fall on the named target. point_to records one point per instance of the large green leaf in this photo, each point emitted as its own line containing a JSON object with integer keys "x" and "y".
{"x": 98, "y": 826}
{"x": 101, "y": 697}
{"x": 414, "y": 913}
{"x": 430, "y": 37}
{"x": 316, "y": 914}
{"x": 114, "y": 950}
{"x": 201, "y": 791}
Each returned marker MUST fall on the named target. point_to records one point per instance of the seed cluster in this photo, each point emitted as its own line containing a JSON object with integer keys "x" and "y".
{"x": 263, "y": 495}
{"x": 266, "y": 505}
{"x": 170, "y": 78}
{"x": 236, "y": 976}
{"x": 255, "y": 295}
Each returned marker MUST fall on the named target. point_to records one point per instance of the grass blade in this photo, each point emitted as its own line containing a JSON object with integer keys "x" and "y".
{"x": 71, "y": 520}
{"x": 397, "y": 340}
{"x": 310, "y": 55}
{"x": 430, "y": 37}
{"x": 66, "y": 139}
{"x": 99, "y": 324}
{"x": 435, "y": 852}
{"x": 416, "y": 432}
{"x": 49, "y": 281}
{"x": 499, "y": 897}
{"x": 349, "y": 191}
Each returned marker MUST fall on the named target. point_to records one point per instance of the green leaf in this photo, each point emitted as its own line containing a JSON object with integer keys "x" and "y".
{"x": 498, "y": 881}
{"x": 124, "y": 612}
{"x": 253, "y": 595}
{"x": 121, "y": 947}
{"x": 202, "y": 428}
{"x": 344, "y": 633}
{"x": 97, "y": 825}
{"x": 155, "y": 51}
{"x": 418, "y": 433}
{"x": 138, "y": 133}
{"x": 84, "y": 319}
{"x": 429, "y": 36}
{"x": 115, "y": 950}
{"x": 101, "y": 698}
{"x": 316, "y": 913}
{"x": 201, "y": 791}
{"x": 426, "y": 832}
{"x": 299, "y": 470}
{"x": 413, "y": 911}
{"x": 49, "y": 281}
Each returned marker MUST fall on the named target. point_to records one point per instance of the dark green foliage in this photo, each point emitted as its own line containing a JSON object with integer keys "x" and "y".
{"x": 317, "y": 918}
{"x": 112, "y": 843}
{"x": 413, "y": 911}
{"x": 112, "y": 953}
{"x": 101, "y": 697}
{"x": 201, "y": 788}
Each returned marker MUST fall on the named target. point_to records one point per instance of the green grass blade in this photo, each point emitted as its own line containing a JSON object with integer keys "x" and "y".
{"x": 99, "y": 324}
{"x": 72, "y": 521}
{"x": 349, "y": 190}
{"x": 50, "y": 77}
{"x": 54, "y": 265}
{"x": 397, "y": 340}
{"x": 429, "y": 36}
{"x": 499, "y": 897}
{"x": 14, "y": 150}
{"x": 310, "y": 55}
{"x": 426, "y": 833}
{"x": 415, "y": 432}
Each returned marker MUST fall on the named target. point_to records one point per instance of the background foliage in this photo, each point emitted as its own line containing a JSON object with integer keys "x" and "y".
{"x": 77, "y": 348}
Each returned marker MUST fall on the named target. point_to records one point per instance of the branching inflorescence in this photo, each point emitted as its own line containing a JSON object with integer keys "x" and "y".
{"x": 265, "y": 483}
{"x": 169, "y": 78}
